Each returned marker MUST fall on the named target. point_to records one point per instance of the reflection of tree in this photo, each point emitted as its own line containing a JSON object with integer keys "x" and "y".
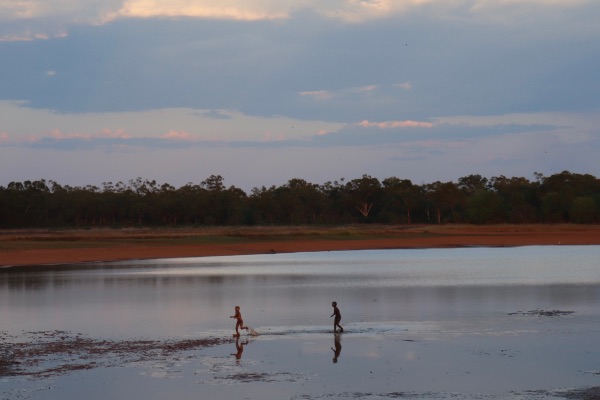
{"x": 337, "y": 349}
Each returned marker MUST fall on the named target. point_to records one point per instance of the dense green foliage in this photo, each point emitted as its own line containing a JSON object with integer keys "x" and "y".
{"x": 563, "y": 197}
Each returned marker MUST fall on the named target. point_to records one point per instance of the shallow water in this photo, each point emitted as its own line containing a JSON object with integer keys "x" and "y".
{"x": 432, "y": 323}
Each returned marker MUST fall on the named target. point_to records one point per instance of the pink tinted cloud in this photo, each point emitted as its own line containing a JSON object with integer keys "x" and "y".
{"x": 395, "y": 124}
{"x": 177, "y": 135}
{"x": 117, "y": 134}
{"x": 273, "y": 137}
{"x": 58, "y": 135}
{"x": 405, "y": 85}
{"x": 105, "y": 133}
{"x": 366, "y": 89}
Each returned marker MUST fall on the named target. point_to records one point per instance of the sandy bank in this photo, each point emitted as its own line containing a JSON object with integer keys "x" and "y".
{"x": 38, "y": 247}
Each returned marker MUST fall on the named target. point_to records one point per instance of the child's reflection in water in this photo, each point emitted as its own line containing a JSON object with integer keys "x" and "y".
{"x": 239, "y": 346}
{"x": 338, "y": 347}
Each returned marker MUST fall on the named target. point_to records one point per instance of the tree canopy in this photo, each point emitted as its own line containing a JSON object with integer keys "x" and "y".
{"x": 560, "y": 198}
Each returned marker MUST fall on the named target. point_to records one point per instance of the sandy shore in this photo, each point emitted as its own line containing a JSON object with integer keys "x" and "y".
{"x": 38, "y": 247}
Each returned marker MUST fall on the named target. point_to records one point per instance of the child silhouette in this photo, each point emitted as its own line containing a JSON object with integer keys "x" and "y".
{"x": 338, "y": 317}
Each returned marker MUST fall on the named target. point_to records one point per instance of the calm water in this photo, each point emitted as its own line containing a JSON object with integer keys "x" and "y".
{"x": 413, "y": 314}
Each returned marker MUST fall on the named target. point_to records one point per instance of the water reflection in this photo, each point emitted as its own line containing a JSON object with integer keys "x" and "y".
{"x": 337, "y": 349}
{"x": 188, "y": 297}
{"x": 7, "y": 362}
{"x": 452, "y": 318}
{"x": 239, "y": 347}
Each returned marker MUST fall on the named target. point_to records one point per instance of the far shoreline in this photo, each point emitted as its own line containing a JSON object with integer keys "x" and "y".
{"x": 39, "y": 247}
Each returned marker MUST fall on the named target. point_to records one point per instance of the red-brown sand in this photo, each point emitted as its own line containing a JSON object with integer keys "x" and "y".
{"x": 38, "y": 247}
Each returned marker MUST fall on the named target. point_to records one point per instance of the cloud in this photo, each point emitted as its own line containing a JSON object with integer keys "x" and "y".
{"x": 43, "y": 19}
{"x": 24, "y": 125}
{"x": 452, "y": 132}
{"x": 291, "y": 68}
{"x": 317, "y": 94}
{"x": 520, "y": 6}
{"x": 404, "y": 85}
{"x": 396, "y": 124}
{"x": 273, "y": 137}
{"x": 177, "y": 135}
{"x": 29, "y": 34}
{"x": 304, "y": 86}
{"x": 215, "y": 114}
{"x": 356, "y": 11}
{"x": 94, "y": 11}
{"x": 28, "y": 20}
{"x": 178, "y": 128}
{"x": 367, "y": 89}
{"x": 57, "y": 135}
{"x": 236, "y": 10}
{"x": 320, "y": 95}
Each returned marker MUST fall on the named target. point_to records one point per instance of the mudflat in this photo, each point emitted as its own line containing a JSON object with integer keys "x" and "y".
{"x": 45, "y": 246}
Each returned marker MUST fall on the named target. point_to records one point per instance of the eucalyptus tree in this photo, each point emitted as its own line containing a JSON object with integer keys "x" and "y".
{"x": 400, "y": 194}
{"x": 472, "y": 184}
{"x": 264, "y": 206}
{"x": 225, "y": 205}
{"x": 302, "y": 201}
{"x": 444, "y": 197}
{"x": 334, "y": 194}
{"x": 558, "y": 191}
{"x": 363, "y": 194}
{"x": 518, "y": 197}
{"x": 583, "y": 210}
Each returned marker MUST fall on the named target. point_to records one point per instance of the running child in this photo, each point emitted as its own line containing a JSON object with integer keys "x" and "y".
{"x": 240, "y": 322}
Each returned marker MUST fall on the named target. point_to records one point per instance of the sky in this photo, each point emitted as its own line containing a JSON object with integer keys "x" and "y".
{"x": 265, "y": 91}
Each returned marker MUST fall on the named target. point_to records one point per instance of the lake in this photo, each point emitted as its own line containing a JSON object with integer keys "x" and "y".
{"x": 519, "y": 322}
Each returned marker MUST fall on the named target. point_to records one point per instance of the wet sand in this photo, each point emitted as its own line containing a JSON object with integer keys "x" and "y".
{"x": 38, "y": 247}
{"x": 405, "y": 365}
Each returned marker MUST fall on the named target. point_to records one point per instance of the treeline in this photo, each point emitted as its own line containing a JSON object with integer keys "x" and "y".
{"x": 561, "y": 198}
